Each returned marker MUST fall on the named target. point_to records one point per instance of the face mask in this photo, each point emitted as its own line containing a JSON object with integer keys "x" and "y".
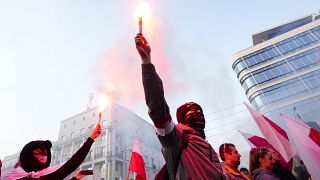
{"x": 40, "y": 154}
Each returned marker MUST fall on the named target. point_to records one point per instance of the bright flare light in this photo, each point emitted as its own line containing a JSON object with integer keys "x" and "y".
{"x": 142, "y": 11}
{"x": 104, "y": 100}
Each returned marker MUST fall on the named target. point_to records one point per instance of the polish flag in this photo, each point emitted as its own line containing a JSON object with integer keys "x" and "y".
{"x": 311, "y": 132}
{"x": 308, "y": 149}
{"x": 137, "y": 163}
{"x": 257, "y": 141}
{"x": 276, "y": 136}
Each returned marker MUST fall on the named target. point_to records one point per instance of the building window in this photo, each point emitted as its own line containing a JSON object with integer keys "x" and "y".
{"x": 72, "y": 135}
{"x": 146, "y": 160}
{"x": 104, "y": 123}
{"x": 90, "y": 127}
{"x": 82, "y": 131}
{"x": 65, "y": 125}
{"x": 94, "y": 114}
{"x": 68, "y": 148}
{"x": 153, "y": 163}
{"x": 103, "y": 136}
{"x": 74, "y": 122}
{"x": 63, "y": 138}
{"x": 83, "y": 118}
{"x": 104, "y": 150}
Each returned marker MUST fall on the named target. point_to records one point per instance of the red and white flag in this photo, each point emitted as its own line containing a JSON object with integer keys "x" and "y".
{"x": 308, "y": 149}
{"x": 136, "y": 162}
{"x": 256, "y": 141}
{"x": 275, "y": 135}
{"x": 311, "y": 132}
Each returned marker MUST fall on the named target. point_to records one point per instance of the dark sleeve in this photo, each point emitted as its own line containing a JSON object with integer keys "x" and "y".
{"x": 73, "y": 163}
{"x": 171, "y": 149}
{"x": 154, "y": 95}
{"x": 160, "y": 114}
{"x": 282, "y": 172}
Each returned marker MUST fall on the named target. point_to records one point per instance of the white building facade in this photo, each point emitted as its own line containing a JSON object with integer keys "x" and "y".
{"x": 110, "y": 154}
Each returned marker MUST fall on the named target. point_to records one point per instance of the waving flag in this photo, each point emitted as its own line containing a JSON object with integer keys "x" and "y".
{"x": 276, "y": 136}
{"x": 309, "y": 150}
{"x": 137, "y": 163}
{"x": 311, "y": 132}
{"x": 256, "y": 141}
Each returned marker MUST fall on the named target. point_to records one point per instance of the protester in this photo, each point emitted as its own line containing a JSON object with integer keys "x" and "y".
{"x": 35, "y": 159}
{"x": 231, "y": 161}
{"x": 278, "y": 169}
{"x": 299, "y": 169}
{"x": 0, "y": 168}
{"x": 244, "y": 171}
{"x": 260, "y": 164}
{"x": 187, "y": 153}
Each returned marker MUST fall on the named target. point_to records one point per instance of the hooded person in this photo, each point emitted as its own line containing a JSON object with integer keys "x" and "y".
{"x": 35, "y": 158}
{"x": 0, "y": 167}
{"x": 187, "y": 153}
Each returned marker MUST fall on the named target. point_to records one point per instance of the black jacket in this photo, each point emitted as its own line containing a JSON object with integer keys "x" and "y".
{"x": 28, "y": 164}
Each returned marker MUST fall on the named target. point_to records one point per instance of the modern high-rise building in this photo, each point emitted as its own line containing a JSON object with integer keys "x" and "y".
{"x": 281, "y": 71}
{"x": 110, "y": 154}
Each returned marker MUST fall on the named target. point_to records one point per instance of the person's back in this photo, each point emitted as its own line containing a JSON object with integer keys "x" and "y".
{"x": 261, "y": 174}
{"x": 187, "y": 154}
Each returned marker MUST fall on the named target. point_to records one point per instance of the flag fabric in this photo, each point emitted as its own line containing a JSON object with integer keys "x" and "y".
{"x": 311, "y": 132}
{"x": 256, "y": 141}
{"x": 136, "y": 162}
{"x": 276, "y": 136}
{"x": 314, "y": 135}
{"x": 308, "y": 149}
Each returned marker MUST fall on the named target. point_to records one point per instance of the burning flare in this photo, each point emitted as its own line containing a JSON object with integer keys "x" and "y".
{"x": 142, "y": 12}
{"x": 104, "y": 101}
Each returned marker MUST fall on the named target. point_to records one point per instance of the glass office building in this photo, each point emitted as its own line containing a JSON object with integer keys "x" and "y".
{"x": 281, "y": 71}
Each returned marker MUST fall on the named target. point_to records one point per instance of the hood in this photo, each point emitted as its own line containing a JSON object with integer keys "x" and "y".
{"x": 28, "y": 161}
{"x": 195, "y": 119}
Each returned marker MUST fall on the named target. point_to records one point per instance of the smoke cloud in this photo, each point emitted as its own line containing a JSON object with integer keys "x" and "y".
{"x": 191, "y": 69}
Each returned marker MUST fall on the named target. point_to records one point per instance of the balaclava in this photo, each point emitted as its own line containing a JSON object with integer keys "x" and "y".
{"x": 28, "y": 161}
{"x": 191, "y": 114}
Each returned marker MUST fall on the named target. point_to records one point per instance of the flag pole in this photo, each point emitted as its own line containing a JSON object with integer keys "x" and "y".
{"x": 128, "y": 175}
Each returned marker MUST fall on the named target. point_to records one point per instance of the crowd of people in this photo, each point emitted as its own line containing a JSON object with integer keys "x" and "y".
{"x": 187, "y": 153}
{"x": 185, "y": 149}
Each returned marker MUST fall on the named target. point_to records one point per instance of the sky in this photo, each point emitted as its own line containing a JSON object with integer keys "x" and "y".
{"x": 54, "y": 53}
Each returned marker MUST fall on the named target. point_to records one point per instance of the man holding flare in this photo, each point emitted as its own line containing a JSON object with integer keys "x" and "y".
{"x": 187, "y": 153}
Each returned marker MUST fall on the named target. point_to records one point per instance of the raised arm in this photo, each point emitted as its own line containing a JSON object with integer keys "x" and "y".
{"x": 154, "y": 95}
{"x": 77, "y": 159}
